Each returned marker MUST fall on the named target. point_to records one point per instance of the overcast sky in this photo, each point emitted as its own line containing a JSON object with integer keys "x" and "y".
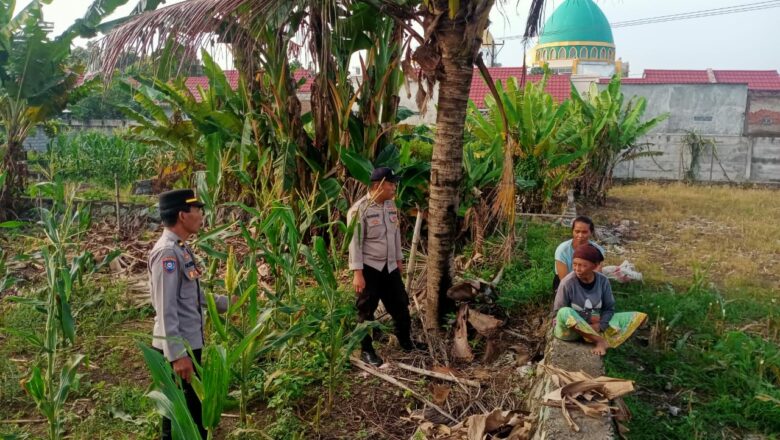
{"x": 747, "y": 40}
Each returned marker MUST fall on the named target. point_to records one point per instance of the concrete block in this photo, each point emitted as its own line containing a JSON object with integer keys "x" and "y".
{"x": 551, "y": 424}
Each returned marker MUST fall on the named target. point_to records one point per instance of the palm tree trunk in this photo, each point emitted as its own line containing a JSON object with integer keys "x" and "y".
{"x": 447, "y": 165}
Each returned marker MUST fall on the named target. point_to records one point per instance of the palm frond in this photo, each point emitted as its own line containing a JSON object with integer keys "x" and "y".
{"x": 189, "y": 24}
{"x": 534, "y": 22}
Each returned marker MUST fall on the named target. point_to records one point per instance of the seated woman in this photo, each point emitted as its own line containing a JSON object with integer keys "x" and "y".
{"x": 584, "y": 306}
{"x": 582, "y": 228}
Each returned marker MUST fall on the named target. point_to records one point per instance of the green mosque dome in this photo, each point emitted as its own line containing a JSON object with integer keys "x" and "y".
{"x": 577, "y": 20}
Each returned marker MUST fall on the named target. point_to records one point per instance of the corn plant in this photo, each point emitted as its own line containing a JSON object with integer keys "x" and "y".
{"x": 168, "y": 396}
{"x": 97, "y": 157}
{"x": 211, "y": 385}
{"x": 63, "y": 226}
{"x": 253, "y": 325}
{"x": 274, "y": 322}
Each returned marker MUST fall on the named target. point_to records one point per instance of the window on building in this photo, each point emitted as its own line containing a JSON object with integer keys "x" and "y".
{"x": 583, "y": 52}
{"x": 562, "y": 53}
{"x": 573, "y": 53}
{"x": 603, "y": 54}
{"x": 594, "y": 53}
{"x": 553, "y": 55}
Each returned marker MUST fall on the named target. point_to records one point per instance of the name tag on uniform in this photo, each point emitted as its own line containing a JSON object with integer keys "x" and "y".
{"x": 393, "y": 216}
{"x": 375, "y": 222}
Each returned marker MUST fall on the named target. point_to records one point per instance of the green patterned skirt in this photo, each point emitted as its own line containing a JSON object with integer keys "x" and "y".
{"x": 621, "y": 326}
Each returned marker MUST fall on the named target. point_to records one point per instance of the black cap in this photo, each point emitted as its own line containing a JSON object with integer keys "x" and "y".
{"x": 177, "y": 199}
{"x": 384, "y": 173}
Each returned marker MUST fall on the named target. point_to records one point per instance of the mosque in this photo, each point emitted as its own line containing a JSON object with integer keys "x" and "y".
{"x": 738, "y": 109}
{"x": 577, "y": 40}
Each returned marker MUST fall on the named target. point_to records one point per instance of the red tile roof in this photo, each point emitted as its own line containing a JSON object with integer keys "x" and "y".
{"x": 559, "y": 86}
{"x": 193, "y": 82}
{"x": 677, "y": 76}
{"x": 755, "y": 79}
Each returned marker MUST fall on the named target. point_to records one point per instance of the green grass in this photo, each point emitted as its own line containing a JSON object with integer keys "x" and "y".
{"x": 528, "y": 278}
{"x": 720, "y": 373}
{"x": 721, "y": 378}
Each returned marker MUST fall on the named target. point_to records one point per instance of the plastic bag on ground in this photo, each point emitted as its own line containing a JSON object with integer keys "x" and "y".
{"x": 624, "y": 273}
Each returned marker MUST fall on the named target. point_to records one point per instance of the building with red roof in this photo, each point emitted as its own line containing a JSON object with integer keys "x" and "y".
{"x": 194, "y": 83}
{"x": 558, "y": 86}
{"x": 754, "y": 79}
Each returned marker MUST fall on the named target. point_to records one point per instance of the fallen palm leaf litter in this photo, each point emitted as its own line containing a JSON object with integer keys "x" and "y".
{"x": 592, "y": 396}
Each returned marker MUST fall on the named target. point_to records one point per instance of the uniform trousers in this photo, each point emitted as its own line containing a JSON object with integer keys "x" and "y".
{"x": 389, "y": 288}
{"x": 193, "y": 404}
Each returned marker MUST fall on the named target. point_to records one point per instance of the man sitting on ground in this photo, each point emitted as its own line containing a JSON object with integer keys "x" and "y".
{"x": 585, "y": 307}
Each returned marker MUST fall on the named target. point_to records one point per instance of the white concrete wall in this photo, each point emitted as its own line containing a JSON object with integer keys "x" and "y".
{"x": 736, "y": 159}
{"x": 765, "y": 164}
{"x": 409, "y": 101}
{"x": 709, "y": 109}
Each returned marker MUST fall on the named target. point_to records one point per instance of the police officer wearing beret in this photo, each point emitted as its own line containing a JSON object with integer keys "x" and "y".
{"x": 177, "y": 297}
{"x": 376, "y": 258}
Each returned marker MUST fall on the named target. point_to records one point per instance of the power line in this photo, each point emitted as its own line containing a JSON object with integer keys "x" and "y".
{"x": 726, "y": 10}
{"x": 699, "y": 14}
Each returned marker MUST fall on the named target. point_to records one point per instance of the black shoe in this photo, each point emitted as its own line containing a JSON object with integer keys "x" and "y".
{"x": 410, "y": 345}
{"x": 371, "y": 358}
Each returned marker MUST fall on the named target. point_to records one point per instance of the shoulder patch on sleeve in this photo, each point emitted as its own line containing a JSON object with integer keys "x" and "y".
{"x": 169, "y": 264}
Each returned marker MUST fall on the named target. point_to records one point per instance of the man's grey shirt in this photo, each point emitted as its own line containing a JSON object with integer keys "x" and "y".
{"x": 376, "y": 241}
{"x": 177, "y": 298}
{"x": 586, "y": 302}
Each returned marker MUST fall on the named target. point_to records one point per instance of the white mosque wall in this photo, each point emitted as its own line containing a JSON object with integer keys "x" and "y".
{"x": 600, "y": 70}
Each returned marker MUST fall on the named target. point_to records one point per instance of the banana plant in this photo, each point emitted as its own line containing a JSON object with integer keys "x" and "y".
{"x": 610, "y": 129}
{"x": 37, "y": 81}
{"x": 544, "y": 151}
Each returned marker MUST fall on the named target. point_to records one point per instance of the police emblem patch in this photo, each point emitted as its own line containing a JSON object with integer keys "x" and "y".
{"x": 169, "y": 264}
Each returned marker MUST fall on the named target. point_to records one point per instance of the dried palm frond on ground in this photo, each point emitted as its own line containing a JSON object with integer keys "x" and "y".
{"x": 509, "y": 425}
{"x": 595, "y": 397}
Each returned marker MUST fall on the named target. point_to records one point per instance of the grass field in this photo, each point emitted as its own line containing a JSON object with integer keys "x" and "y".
{"x": 709, "y": 256}
{"x": 732, "y": 233}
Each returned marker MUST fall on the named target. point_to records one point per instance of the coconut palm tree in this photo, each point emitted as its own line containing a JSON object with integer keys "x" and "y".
{"x": 454, "y": 30}
{"x": 446, "y": 54}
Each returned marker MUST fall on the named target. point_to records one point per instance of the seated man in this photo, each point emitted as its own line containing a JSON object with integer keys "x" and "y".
{"x": 584, "y": 306}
